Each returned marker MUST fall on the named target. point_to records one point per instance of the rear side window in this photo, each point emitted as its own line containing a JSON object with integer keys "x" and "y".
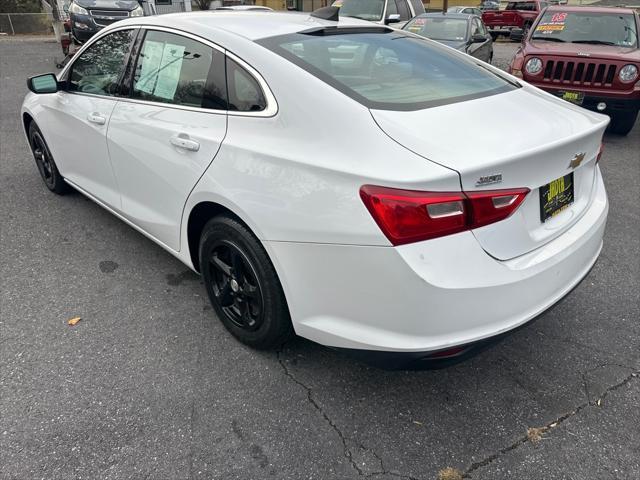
{"x": 391, "y": 70}
{"x": 245, "y": 95}
{"x": 99, "y": 68}
{"x": 181, "y": 71}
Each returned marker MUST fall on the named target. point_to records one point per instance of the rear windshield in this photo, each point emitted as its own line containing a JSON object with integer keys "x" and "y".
{"x": 390, "y": 70}
{"x": 365, "y": 9}
{"x": 613, "y": 29}
{"x": 439, "y": 28}
{"x": 523, "y": 6}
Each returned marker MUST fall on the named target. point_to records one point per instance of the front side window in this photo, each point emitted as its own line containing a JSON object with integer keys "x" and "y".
{"x": 402, "y": 8}
{"x": 99, "y": 68}
{"x": 613, "y": 29}
{"x": 181, "y": 71}
{"x": 390, "y": 70}
{"x": 418, "y": 6}
{"x": 476, "y": 29}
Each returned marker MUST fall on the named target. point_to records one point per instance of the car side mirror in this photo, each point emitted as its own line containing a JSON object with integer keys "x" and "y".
{"x": 392, "y": 18}
{"x": 517, "y": 35}
{"x": 46, "y": 83}
{"x": 478, "y": 39}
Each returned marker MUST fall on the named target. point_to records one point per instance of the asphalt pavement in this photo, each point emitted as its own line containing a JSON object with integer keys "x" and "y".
{"x": 149, "y": 385}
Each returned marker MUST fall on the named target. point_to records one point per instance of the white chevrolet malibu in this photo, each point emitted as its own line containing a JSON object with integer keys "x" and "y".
{"x": 356, "y": 185}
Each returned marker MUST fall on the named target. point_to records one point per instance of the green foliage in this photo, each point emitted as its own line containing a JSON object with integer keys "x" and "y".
{"x": 203, "y": 4}
{"x": 20, "y": 6}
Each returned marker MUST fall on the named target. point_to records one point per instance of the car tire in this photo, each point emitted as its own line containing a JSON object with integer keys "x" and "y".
{"x": 45, "y": 162}
{"x": 243, "y": 285}
{"x": 622, "y": 123}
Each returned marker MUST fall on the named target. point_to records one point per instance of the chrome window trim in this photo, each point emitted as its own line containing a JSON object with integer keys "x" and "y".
{"x": 272, "y": 105}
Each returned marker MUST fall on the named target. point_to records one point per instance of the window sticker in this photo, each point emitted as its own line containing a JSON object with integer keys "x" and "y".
{"x": 417, "y": 25}
{"x": 556, "y": 24}
{"x": 161, "y": 66}
{"x": 169, "y": 71}
{"x": 151, "y": 58}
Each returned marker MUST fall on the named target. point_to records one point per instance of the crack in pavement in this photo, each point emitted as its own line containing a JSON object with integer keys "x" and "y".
{"x": 348, "y": 454}
{"x": 521, "y": 441}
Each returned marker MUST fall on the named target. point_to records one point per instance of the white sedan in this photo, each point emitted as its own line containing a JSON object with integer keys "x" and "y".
{"x": 315, "y": 174}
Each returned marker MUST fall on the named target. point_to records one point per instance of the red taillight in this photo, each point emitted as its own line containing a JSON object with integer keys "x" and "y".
{"x": 407, "y": 216}
{"x": 494, "y": 205}
{"x": 404, "y": 217}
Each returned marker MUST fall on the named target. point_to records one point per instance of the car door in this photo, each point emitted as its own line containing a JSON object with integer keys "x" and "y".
{"x": 479, "y": 50}
{"x": 167, "y": 132}
{"x": 82, "y": 111}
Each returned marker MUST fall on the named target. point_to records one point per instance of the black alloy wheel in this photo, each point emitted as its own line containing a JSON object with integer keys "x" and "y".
{"x": 242, "y": 284}
{"x": 235, "y": 286}
{"x": 44, "y": 161}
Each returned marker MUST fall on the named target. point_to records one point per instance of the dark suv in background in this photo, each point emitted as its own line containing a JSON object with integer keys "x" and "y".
{"x": 89, "y": 16}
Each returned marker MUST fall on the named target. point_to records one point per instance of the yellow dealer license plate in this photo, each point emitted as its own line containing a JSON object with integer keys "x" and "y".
{"x": 555, "y": 197}
{"x": 573, "y": 97}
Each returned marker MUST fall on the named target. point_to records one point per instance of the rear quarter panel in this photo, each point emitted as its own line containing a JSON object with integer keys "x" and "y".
{"x": 296, "y": 176}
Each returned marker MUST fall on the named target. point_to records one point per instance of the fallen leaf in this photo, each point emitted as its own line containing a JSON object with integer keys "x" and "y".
{"x": 450, "y": 473}
{"x": 535, "y": 434}
{"x": 73, "y": 321}
{"x": 417, "y": 422}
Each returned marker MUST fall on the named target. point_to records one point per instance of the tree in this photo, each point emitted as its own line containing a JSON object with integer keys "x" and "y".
{"x": 203, "y": 4}
{"x": 20, "y": 6}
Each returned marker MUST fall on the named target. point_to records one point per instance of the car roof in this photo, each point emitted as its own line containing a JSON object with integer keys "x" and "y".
{"x": 252, "y": 25}
{"x": 586, "y": 8}
{"x": 463, "y": 16}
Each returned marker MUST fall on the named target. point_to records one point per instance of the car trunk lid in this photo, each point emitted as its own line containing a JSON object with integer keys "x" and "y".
{"x": 524, "y": 138}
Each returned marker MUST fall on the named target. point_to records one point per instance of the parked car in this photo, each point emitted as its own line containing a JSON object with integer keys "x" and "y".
{"x": 489, "y": 5}
{"x": 384, "y": 12}
{"x": 468, "y": 10}
{"x": 90, "y": 16}
{"x": 463, "y": 32}
{"x": 517, "y": 14}
{"x": 315, "y": 176}
{"x": 589, "y": 56}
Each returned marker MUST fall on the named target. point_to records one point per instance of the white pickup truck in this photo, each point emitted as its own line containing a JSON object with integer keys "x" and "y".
{"x": 384, "y": 12}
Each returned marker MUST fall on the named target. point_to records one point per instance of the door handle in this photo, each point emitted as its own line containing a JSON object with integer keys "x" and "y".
{"x": 182, "y": 140}
{"x": 96, "y": 118}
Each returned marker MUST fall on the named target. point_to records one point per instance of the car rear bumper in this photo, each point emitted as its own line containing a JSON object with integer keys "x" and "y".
{"x": 430, "y": 295}
{"x": 615, "y": 102}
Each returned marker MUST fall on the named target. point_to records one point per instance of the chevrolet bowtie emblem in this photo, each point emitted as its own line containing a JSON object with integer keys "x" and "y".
{"x": 577, "y": 160}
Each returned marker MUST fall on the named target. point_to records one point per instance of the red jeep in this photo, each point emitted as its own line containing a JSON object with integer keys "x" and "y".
{"x": 517, "y": 14}
{"x": 589, "y": 56}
